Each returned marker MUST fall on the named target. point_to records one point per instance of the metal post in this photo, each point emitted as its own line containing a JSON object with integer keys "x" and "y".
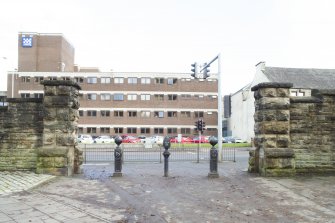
{"x": 213, "y": 163}
{"x": 118, "y": 154}
{"x": 198, "y": 147}
{"x": 219, "y": 108}
{"x": 166, "y": 154}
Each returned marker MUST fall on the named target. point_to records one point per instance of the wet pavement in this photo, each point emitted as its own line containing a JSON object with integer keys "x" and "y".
{"x": 187, "y": 195}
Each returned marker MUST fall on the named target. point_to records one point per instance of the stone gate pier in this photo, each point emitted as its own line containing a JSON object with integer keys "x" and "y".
{"x": 40, "y": 134}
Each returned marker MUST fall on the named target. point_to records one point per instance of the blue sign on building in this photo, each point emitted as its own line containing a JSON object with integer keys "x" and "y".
{"x": 27, "y": 41}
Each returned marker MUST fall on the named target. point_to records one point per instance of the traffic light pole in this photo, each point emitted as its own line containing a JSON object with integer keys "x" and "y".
{"x": 218, "y": 58}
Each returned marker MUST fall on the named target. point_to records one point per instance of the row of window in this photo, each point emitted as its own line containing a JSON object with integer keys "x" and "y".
{"x": 143, "y": 97}
{"x": 108, "y": 80}
{"x": 144, "y": 114}
{"x": 134, "y": 130}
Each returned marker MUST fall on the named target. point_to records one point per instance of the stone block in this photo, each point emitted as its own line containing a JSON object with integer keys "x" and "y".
{"x": 279, "y": 153}
{"x": 274, "y": 127}
{"x": 282, "y": 115}
{"x": 64, "y": 90}
{"x": 268, "y": 92}
{"x": 65, "y": 140}
{"x": 53, "y": 151}
{"x": 278, "y": 172}
{"x": 279, "y": 163}
{"x": 283, "y": 92}
{"x": 274, "y": 103}
{"x": 50, "y": 90}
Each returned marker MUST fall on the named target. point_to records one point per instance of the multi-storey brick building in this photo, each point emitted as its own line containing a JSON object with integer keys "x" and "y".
{"x": 114, "y": 102}
{"x": 134, "y": 103}
{"x": 44, "y": 52}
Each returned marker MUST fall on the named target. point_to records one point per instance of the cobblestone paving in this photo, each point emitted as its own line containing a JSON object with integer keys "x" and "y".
{"x": 11, "y": 182}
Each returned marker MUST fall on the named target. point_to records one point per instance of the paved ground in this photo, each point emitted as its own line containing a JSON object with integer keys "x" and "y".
{"x": 187, "y": 195}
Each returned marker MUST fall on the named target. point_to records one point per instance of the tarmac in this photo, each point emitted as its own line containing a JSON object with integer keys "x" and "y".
{"x": 142, "y": 194}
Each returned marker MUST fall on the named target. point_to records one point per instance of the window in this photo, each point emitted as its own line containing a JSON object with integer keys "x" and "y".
{"x": 159, "y": 80}
{"x": 91, "y": 80}
{"x": 159, "y": 114}
{"x": 53, "y": 78}
{"x": 132, "y": 113}
{"x": 92, "y": 97}
{"x": 118, "y": 113}
{"x": 172, "y": 130}
{"x": 39, "y": 79}
{"x": 92, "y": 113}
{"x": 91, "y": 130}
{"x": 172, "y": 114}
{"x": 25, "y": 79}
{"x": 185, "y": 131}
{"x": 185, "y": 96}
{"x": 79, "y": 79}
{"x": 66, "y": 78}
{"x": 185, "y": 114}
{"x": 105, "y": 97}
{"x": 80, "y": 130}
{"x": 172, "y": 97}
{"x": 81, "y": 113}
{"x": 212, "y": 97}
{"x": 145, "y": 97}
{"x": 171, "y": 81}
{"x": 25, "y": 95}
{"x": 118, "y": 80}
{"x": 132, "y": 80}
{"x": 118, "y": 130}
{"x": 186, "y": 79}
{"x": 118, "y": 97}
{"x": 198, "y": 114}
{"x": 158, "y": 130}
{"x": 209, "y": 113}
{"x": 211, "y": 129}
{"x": 105, "y": 130}
{"x": 159, "y": 97}
{"x": 104, "y": 113}
{"x": 38, "y": 95}
{"x": 198, "y": 96}
{"x": 145, "y": 114}
{"x": 105, "y": 80}
{"x": 131, "y": 130}
{"x": 145, "y": 80}
{"x": 145, "y": 130}
{"x": 132, "y": 97}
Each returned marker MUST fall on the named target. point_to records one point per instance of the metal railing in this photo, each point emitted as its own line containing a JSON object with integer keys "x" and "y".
{"x": 102, "y": 153}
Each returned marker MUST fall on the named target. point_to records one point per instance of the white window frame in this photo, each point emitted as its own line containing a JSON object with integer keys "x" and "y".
{"x": 145, "y": 80}
{"x": 132, "y": 97}
{"x": 145, "y": 97}
{"x": 118, "y": 80}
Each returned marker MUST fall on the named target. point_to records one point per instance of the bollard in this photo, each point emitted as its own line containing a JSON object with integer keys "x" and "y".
{"x": 118, "y": 158}
{"x": 213, "y": 163}
{"x": 166, "y": 154}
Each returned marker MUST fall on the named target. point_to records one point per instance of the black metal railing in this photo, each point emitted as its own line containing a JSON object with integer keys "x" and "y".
{"x": 102, "y": 153}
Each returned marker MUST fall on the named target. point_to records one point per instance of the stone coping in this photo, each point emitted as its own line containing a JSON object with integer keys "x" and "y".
{"x": 60, "y": 82}
{"x": 272, "y": 85}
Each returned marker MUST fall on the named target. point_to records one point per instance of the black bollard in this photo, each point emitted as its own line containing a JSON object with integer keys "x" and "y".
{"x": 166, "y": 154}
{"x": 118, "y": 158}
{"x": 213, "y": 163}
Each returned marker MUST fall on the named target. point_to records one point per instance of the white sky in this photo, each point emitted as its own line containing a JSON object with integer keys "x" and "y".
{"x": 169, "y": 35}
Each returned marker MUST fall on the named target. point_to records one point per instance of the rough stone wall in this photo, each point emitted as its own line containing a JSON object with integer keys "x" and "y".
{"x": 40, "y": 134}
{"x": 292, "y": 134}
{"x": 21, "y": 128}
{"x": 313, "y": 132}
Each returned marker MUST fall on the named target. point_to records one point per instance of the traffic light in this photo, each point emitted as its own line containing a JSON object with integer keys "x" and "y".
{"x": 194, "y": 70}
{"x": 196, "y": 125}
{"x": 199, "y": 125}
{"x": 203, "y": 126}
{"x": 206, "y": 71}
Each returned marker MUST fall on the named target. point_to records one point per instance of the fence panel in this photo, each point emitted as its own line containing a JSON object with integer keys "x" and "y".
{"x": 95, "y": 153}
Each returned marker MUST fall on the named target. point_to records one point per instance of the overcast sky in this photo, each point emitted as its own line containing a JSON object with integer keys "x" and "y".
{"x": 169, "y": 35}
